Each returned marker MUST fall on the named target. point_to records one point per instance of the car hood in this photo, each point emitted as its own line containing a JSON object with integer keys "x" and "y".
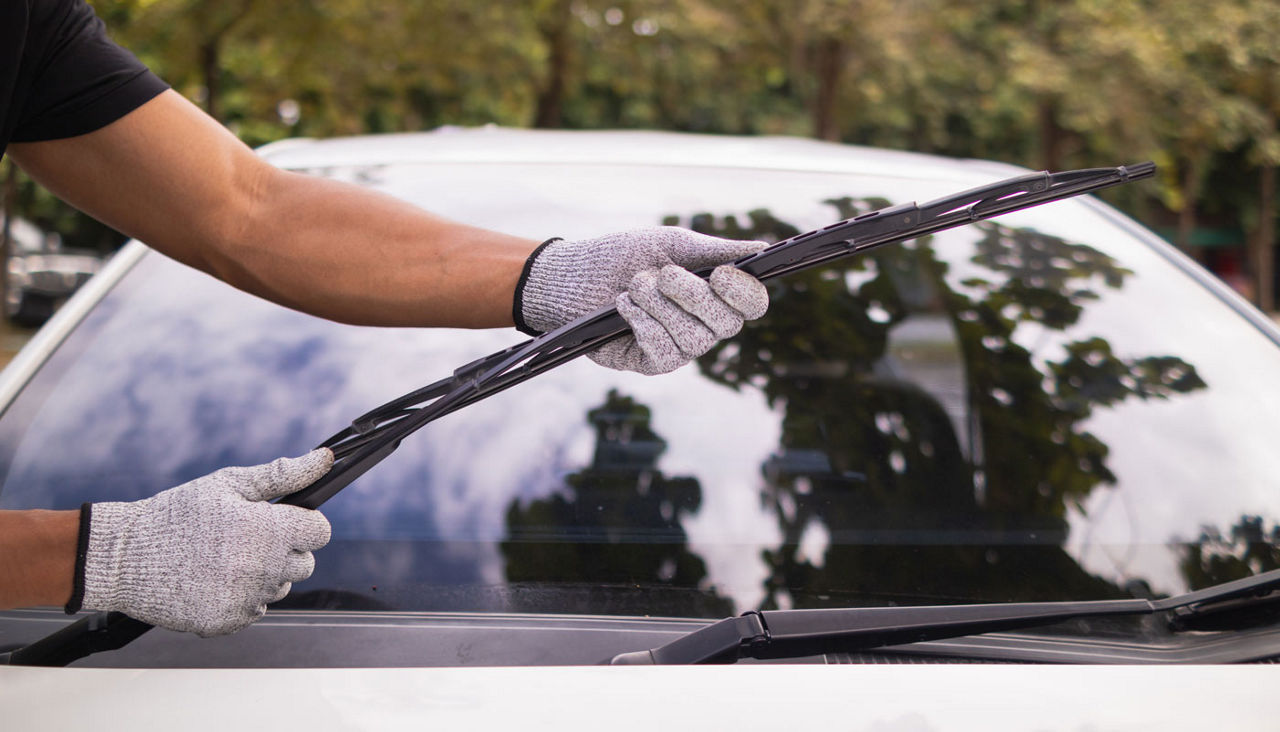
{"x": 907, "y": 698}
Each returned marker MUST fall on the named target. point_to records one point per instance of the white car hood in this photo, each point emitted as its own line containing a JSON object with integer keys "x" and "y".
{"x": 879, "y": 698}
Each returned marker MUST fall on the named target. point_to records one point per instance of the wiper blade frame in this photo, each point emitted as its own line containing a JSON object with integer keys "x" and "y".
{"x": 376, "y": 434}
{"x": 797, "y": 633}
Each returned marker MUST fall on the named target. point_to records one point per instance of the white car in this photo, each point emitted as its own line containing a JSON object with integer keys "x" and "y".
{"x": 1053, "y": 406}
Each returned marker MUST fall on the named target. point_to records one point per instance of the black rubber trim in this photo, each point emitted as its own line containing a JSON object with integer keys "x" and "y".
{"x": 82, "y": 549}
{"x": 517, "y": 306}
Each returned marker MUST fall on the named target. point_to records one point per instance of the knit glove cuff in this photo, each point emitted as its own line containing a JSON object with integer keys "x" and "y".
{"x": 109, "y": 580}
{"x": 537, "y": 311}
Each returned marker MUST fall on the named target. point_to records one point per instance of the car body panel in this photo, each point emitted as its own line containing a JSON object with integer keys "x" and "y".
{"x": 871, "y": 698}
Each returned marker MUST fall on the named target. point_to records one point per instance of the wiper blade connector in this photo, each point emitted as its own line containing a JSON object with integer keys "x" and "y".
{"x": 797, "y": 633}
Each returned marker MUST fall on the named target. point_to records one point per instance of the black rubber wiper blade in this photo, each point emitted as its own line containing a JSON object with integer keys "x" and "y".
{"x": 376, "y": 434}
{"x": 798, "y": 633}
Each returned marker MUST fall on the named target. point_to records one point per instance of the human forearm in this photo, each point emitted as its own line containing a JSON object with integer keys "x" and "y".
{"x": 37, "y": 557}
{"x": 169, "y": 175}
{"x": 172, "y": 177}
{"x": 351, "y": 254}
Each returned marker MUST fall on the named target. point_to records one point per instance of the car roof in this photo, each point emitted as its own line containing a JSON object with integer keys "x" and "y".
{"x": 492, "y": 144}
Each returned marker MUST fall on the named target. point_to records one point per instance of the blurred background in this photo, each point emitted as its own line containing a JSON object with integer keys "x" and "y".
{"x": 1047, "y": 85}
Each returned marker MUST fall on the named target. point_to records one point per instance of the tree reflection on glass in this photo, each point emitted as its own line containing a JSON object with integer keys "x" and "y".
{"x": 1246, "y": 549}
{"x": 940, "y": 470}
{"x": 616, "y": 526}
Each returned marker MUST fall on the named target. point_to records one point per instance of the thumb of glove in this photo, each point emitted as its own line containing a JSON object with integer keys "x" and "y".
{"x": 284, "y": 476}
{"x": 693, "y": 250}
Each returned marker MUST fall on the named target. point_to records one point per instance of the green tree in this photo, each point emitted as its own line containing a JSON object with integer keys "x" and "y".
{"x": 1045, "y": 84}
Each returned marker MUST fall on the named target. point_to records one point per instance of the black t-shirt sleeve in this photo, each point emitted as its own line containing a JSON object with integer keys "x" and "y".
{"x": 77, "y": 79}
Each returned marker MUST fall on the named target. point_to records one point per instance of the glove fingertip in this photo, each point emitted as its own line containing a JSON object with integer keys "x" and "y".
{"x": 308, "y": 529}
{"x": 741, "y": 291}
{"x": 281, "y": 592}
{"x": 321, "y": 531}
{"x": 287, "y": 475}
{"x": 299, "y": 566}
{"x": 314, "y": 464}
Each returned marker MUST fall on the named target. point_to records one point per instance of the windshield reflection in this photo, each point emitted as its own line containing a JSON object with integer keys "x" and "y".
{"x": 974, "y": 477}
{"x": 616, "y": 523}
{"x": 932, "y": 422}
{"x": 1247, "y": 548}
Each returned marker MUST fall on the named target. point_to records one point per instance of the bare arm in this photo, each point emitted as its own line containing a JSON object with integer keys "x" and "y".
{"x": 37, "y": 557}
{"x": 171, "y": 176}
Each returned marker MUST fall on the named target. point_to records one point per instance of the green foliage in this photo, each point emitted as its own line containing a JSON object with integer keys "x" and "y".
{"x": 1069, "y": 83}
{"x": 996, "y": 79}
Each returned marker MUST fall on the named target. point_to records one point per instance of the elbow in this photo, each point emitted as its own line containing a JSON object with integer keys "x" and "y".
{"x": 240, "y": 225}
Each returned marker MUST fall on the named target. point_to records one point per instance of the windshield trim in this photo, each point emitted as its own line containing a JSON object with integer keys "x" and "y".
{"x": 1185, "y": 264}
{"x": 46, "y": 341}
{"x": 1247, "y": 646}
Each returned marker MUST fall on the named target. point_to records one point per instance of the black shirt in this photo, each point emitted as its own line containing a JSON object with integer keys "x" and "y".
{"x": 60, "y": 75}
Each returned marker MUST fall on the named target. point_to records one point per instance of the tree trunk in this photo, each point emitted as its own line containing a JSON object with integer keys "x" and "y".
{"x": 211, "y": 71}
{"x": 1052, "y": 136}
{"x": 549, "y": 112}
{"x": 829, "y": 67}
{"x": 1264, "y": 239}
{"x": 1190, "y": 193}
{"x": 210, "y": 49}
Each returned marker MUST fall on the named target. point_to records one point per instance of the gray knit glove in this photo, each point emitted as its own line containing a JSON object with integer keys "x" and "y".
{"x": 206, "y": 556}
{"x": 675, "y": 315}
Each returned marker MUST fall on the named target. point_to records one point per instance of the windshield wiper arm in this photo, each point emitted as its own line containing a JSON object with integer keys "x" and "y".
{"x": 798, "y": 633}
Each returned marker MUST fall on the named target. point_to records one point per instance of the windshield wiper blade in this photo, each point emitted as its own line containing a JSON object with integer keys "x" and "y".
{"x": 798, "y": 633}
{"x": 376, "y": 434}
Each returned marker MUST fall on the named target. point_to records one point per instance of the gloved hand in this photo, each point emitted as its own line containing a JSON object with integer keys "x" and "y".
{"x": 675, "y": 315}
{"x": 208, "y": 555}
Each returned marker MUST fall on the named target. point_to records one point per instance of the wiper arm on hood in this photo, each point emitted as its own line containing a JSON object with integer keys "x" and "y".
{"x": 798, "y": 633}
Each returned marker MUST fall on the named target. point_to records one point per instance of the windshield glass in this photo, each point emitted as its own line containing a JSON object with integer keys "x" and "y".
{"x": 1036, "y": 408}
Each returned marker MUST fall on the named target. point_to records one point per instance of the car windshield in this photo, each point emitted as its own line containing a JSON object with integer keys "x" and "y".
{"x": 1042, "y": 407}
